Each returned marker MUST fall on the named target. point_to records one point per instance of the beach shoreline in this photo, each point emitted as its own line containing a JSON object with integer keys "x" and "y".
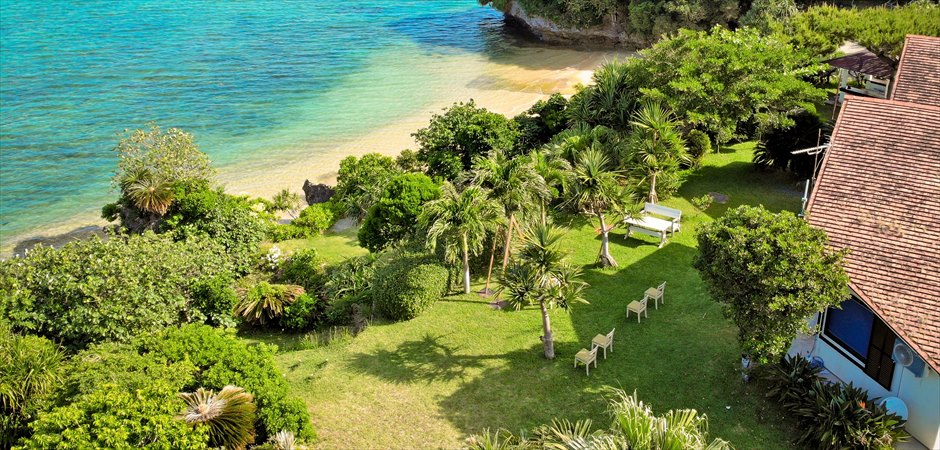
{"x": 506, "y": 87}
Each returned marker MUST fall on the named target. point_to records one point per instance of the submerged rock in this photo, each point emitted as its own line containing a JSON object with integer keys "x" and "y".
{"x": 317, "y": 193}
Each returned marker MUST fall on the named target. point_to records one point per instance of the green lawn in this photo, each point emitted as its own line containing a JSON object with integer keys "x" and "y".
{"x": 463, "y": 366}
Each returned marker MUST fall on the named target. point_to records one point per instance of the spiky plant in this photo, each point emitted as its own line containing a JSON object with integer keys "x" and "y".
{"x": 149, "y": 192}
{"x": 596, "y": 190}
{"x": 285, "y": 440}
{"x": 265, "y": 301}
{"x": 657, "y": 150}
{"x": 229, "y": 415}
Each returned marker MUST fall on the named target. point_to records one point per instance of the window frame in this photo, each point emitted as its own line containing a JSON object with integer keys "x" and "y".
{"x": 850, "y": 354}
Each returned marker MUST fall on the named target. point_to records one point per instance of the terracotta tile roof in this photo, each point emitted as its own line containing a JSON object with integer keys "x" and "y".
{"x": 918, "y": 77}
{"x": 864, "y": 62}
{"x": 878, "y": 194}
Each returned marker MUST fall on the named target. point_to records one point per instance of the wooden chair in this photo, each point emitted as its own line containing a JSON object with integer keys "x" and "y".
{"x": 586, "y": 357}
{"x": 638, "y": 307}
{"x": 604, "y": 342}
{"x": 657, "y": 294}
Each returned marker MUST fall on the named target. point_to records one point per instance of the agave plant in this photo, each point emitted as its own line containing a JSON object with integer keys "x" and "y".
{"x": 229, "y": 415}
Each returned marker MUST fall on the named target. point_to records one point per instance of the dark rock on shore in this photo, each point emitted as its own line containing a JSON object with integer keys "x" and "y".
{"x": 317, "y": 193}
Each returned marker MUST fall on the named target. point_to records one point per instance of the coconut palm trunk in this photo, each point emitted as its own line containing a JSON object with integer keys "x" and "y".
{"x": 605, "y": 258}
{"x": 512, "y": 223}
{"x": 466, "y": 263}
{"x": 548, "y": 341}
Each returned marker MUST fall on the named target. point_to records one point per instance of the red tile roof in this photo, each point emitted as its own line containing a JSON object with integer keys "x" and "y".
{"x": 918, "y": 77}
{"x": 878, "y": 194}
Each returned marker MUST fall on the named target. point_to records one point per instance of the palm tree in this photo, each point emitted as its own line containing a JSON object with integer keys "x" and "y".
{"x": 541, "y": 277}
{"x": 229, "y": 415}
{"x": 553, "y": 168}
{"x": 514, "y": 183}
{"x": 656, "y": 149}
{"x": 462, "y": 219}
{"x": 149, "y": 192}
{"x": 595, "y": 189}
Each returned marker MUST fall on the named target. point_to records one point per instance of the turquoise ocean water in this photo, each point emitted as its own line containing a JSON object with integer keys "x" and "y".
{"x": 249, "y": 78}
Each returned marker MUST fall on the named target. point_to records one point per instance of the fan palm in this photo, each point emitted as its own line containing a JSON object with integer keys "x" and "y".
{"x": 656, "y": 149}
{"x": 149, "y": 192}
{"x": 541, "y": 277}
{"x": 462, "y": 219}
{"x": 229, "y": 415}
{"x": 596, "y": 190}
{"x": 514, "y": 183}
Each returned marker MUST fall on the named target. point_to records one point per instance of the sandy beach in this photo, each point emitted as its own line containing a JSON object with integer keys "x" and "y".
{"x": 507, "y": 86}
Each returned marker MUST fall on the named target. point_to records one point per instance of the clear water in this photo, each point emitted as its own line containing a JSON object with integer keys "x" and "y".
{"x": 251, "y": 79}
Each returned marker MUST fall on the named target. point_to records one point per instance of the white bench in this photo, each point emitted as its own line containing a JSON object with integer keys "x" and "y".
{"x": 647, "y": 223}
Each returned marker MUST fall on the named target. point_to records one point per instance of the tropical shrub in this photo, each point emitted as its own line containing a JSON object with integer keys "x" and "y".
{"x": 611, "y": 99}
{"x": 305, "y": 268}
{"x": 228, "y": 416}
{"x": 348, "y": 283}
{"x": 832, "y": 415}
{"x": 407, "y": 161}
{"x": 215, "y": 299}
{"x": 238, "y": 223}
{"x": 450, "y": 142}
{"x": 96, "y": 290}
{"x": 361, "y": 180}
{"x": 656, "y": 151}
{"x": 408, "y": 285}
{"x": 303, "y": 314}
{"x": 316, "y": 218}
{"x": 33, "y": 369}
{"x": 395, "y": 215}
{"x": 278, "y": 232}
{"x": 285, "y": 201}
{"x": 770, "y": 271}
{"x": 765, "y": 14}
{"x": 774, "y": 149}
{"x": 698, "y": 145}
{"x": 635, "y": 426}
{"x": 264, "y": 301}
{"x": 537, "y": 125}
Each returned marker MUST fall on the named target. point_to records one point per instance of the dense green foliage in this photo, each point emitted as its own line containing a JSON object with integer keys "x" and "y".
{"x": 96, "y": 290}
{"x": 305, "y": 268}
{"x": 656, "y": 151}
{"x": 540, "y": 123}
{"x": 235, "y": 222}
{"x": 348, "y": 283}
{"x": 764, "y": 15}
{"x": 831, "y": 415}
{"x": 596, "y": 190}
{"x": 394, "y": 216}
{"x": 263, "y": 301}
{"x": 215, "y": 299}
{"x": 305, "y": 313}
{"x": 699, "y": 145}
{"x": 770, "y": 272}
{"x": 32, "y": 370}
{"x": 408, "y": 285}
{"x": 227, "y": 416}
{"x": 634, "y": 427}
{"x": 361, "y": 180}
{"x": 820, "y": 30}
{"x": 464, "y": 131}
{"x": 774, "y": 149}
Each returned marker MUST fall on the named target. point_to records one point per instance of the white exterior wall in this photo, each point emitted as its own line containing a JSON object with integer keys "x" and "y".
{"x": 922, "y": 395}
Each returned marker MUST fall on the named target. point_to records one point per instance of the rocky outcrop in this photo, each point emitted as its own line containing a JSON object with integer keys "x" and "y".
{"x": 610, "y": 33}
{"x": 317, "y": 193}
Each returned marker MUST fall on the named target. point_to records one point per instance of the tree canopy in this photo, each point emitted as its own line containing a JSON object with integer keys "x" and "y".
{"x": 771, "y": 272}
{"x": 395, "y": 215}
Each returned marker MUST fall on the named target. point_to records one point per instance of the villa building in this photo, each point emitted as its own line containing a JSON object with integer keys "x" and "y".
{"x": 878, "y": 195}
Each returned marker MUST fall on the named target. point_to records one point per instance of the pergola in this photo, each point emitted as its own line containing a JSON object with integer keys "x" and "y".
{"x": 874, "y": 71}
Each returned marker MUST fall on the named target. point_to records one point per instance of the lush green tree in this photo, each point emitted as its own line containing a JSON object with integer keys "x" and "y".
{"x": 33, "y": 369}
{"x": 656, "y": 151}
{"x": 361, "y": 180}
{"x": 634, "y": 426}
{"x": 699, "y": 145}
{"x": 315, "y": 219}
{"x": 409, "y": 284}
{"x": 596, "y": 190}
{"x": 770, "y": 271}
{"x": 394, "y": 216}
{"x": 727, "y": 83}
{"x": 227, "y": 415}
{"x": 95, "y": 290}
{"x": 516, "y": 185}
{"x": 541, "y": 277}
{"x": 611, "y": 99}
{"x": 575, "y": 140}
{"x": 553, "y": 168}
{"x": 765, "y": 14}
{"x": 451, "y": 141}
{"x": 540, "y": 123}
{"x": 462, "y": 219}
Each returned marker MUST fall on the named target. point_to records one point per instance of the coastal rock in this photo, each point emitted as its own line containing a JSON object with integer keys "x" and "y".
{"x": 317, "y": 193}
{"x": 610, "y": 33}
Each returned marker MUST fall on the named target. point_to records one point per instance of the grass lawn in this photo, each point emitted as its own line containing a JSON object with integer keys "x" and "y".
{"x": 463, "y": 366}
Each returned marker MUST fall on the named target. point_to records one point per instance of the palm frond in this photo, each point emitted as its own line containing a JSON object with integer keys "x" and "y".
{"x": 229, "y": 415}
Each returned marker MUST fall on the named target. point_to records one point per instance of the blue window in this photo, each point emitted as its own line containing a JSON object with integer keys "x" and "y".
{"x": 851, "y": 327}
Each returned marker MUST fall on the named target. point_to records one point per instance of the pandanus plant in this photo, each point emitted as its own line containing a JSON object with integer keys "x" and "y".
{"x": 229, "y": 415}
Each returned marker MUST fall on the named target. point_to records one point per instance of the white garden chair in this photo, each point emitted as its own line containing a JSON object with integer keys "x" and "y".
{"x": 657, "y": 294}
{"x": 586, "y": 357}
{"x": 604, "y": 342}
{"x": 638, "y": 307}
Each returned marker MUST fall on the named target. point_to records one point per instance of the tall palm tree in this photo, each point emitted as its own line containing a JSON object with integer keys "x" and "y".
{"x": 541, "y": 277}
{"x": 656, "y": 149}
{"x": 596, "y": 190}
{"x": 514, "y": 183}
{"x": 228, "y": 414}
{"x": 462, "y": 219}
{"x": 150, "y": 192}
{"x": 553, "y": 168}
